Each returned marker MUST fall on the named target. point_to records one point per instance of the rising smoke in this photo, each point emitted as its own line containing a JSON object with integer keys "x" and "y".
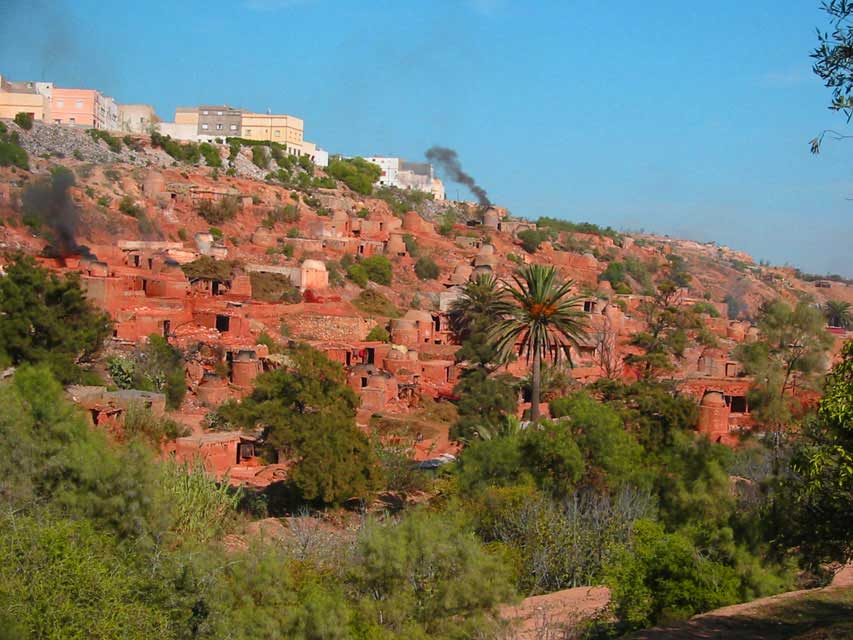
{"x": 48, "y": 203}
{"x": 448, "y": 160}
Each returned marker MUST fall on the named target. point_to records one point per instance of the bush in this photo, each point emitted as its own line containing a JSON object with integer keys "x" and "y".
{"x": 112, "y": 142}
{"x": 273, "y": 287}
{"x": 260, "y": 158}
{"x": 706, "y": 307}
{"x": 357, "y": 173}
{"x": 11, "y": 152}
{"x": 579, "y": 227}
{"x": 378, "y": 269}
{"x": 104, "y": 201}
{"x": 411, "y": 245}
{"x": 127, "y": 205}
{"x": 374, "y": 303}
{"x": 210, "y": 154}
{"x": 218, "y": 212}
{"x": 24, "y": 120}
{"x": 378, "y": 334}
{"x": 188, "y": 153}
{"x": 357, "y": 274}
{"x": 216, "y": 232}
{"x": 426, "y": 268}
{"x": 209, "y": 268}
{"x": 531, "y": 239}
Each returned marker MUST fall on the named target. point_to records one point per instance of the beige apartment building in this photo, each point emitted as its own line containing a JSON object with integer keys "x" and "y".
{"x": 25, "y": 97}
{"x": 273, "y": 128}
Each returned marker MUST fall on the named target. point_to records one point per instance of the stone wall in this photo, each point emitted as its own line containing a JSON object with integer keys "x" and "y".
{"x": 332, "y": 328}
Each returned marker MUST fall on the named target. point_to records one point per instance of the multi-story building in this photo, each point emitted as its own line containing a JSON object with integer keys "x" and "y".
{"x": 33, "y": 98}
{"x": 219, "y": 121}
{"x": 84, "y": 108}
{"x": 284, "y": 129}
{"x": 402, "y": 174}
{"x": 136, "y": 118}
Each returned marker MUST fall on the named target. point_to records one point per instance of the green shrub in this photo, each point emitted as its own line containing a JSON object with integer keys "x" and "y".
{"x": 77, "y": 154}
{"x": 372, "y": 302}
{"x": 362, "y": 213}
{"x": 531, "y": 239}
{"x": 182, "y": 234}
{"x": 188, "y": 152}
{"x": 411, "y": 245}
{"x": 218, "y": 212}
{"x": 357, "y": 173}
{"x": 426, "y": 268}
{"x": 260, "y": 158}
{"x": 11, "y": 152}
{"x": 127, "y": 205}
{"x": 357, "y": 274}
{"x": 209, "y": 268}
{"x": 579, "y": 227}
{"x": 112, "y": 142}
{"x": 24, "y": 120}
{"x": 293, "y": 232}
{"x": 216, "y": 232}
{"x": 378, "y": 269}
{"x": 273, "y": 287}
{"x": 104, "y": 201}
{"x": 706, "y": 307}
{"x": 378, "y": 334}
{"x": 210, "y": 154}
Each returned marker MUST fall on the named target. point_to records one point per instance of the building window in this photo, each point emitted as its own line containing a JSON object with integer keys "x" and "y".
{"x": 72, "y": 120}
{"x": 79, "y": 104}
{"x": 57, "y": 121}
{"x": 60, "y": 103}
{"x": 204, "y": 113}
{"x": 248, "y": 132}
{"x": 233, "y": 127}
{"x": 219, "y": 126}
{"x": 204, "y": 126}
{"x": 219, "y": 113}
{"x": 277, "y": 133}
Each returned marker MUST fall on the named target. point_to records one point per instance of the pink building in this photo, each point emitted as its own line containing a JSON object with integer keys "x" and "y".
{"x": 84, "y": 108}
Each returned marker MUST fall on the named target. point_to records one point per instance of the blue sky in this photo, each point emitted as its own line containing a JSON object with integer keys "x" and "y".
{"x": 691, "y": 119}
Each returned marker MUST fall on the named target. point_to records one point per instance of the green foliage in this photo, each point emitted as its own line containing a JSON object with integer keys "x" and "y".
{"x": 664, "y": 579}
{"x": 447, "y": 222}
{"x": 428, "y": 570}
{"x": 140, "y": 423}
{"x": 104, "y": 201}
{"x": 357, "y": 173}
{"x": 838, "y": 314}
{"x": 538, "y": 316}
{"x": 11, "y": 152}
{"x": 188, "y": 153}
{"x": 411, "y": 245}
{"x": 260, "y": 157}
{"x": 531, "y": 239}
{"x": 210, "y": 154}
{"x": 426, "y": 268}
{"x": 158, "y": 367}
{"x": 579, "y": 227}
{"x": 127, "y": 205}
{"x": 484, "y": 401}
{"x": 46, "y": 318}
{"x": 111, "y": 141}
{"x": 614, "y": 273}
{"x": 792, "y": 348}
{"x": 216, "y": 232}
{"x": 612, "y": 455}
{"x": 358, "y": 274}
{"x": 378, "y": 334}
{"x": 220, "y": 211}
{"x": 471, "y": 317}
{"x": 378, "y": 269}
{"x": 334, "y": 270}
{"x": 706, "y": 308}
{"x": 24, "y": 120}
{"x": 308, "y": 412}
{"x": 403, "y": 200}
{"x": 209, "y": 268}
{"x": 372, "y": 302}
{"x": 814, "y": 504}
{"x": 273, "y": 287}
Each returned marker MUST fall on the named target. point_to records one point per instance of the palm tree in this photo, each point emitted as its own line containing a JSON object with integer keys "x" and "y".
{"x": 838, "y": 314}
{"x": 539, "y": 317}
{"x": 478, "y": 302}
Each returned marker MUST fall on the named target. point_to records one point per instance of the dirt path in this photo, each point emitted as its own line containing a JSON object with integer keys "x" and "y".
{"x": 814, "y": 614}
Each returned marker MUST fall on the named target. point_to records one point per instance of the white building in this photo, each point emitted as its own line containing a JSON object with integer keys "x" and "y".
{"x": 399, "y": 173}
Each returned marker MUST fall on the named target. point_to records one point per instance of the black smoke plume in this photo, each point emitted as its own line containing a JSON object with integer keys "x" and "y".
{"x": 448, "y": 160}
{"x": 48, "y": 203}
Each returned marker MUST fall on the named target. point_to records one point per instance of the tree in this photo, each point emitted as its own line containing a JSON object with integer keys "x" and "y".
{"x": 378, "y": 269}
{"x": 357, "y": 173}
{"x": 531, "y": 239}
{"x": 790, "y": 352}
{"x": 47, "y": 318}
{"x": 308, "y": 413}
{"x": 666, "y": 332}
{"x": 156, "y": 367}
{"x": 426, "y": 268}
{"x": 539, "y": 318}
{"x": 814, "y": 507}
{"x": 472, "y": 315}
{"x": 484, "y": 401}
{"x": 430, "y": 570}
{"x": 24, "y": 120}
{"x": 838, "y": 314}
